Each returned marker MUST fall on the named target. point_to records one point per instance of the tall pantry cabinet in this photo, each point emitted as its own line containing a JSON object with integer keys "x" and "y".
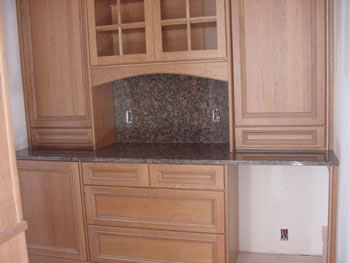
{"x": 280, "y": 73}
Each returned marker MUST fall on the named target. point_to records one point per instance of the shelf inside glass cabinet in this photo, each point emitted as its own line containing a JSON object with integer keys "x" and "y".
{"x": 120, "y": 27}
{"x": 189, "y": 25}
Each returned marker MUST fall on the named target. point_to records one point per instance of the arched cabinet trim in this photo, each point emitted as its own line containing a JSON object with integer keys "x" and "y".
{"x": 213, "y": 70}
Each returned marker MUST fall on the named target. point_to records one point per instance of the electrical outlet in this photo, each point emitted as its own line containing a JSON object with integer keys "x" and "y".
{"x": 284, "y": 234}
{"x": 128, "y": 116}
{"x": 216, "y": 115}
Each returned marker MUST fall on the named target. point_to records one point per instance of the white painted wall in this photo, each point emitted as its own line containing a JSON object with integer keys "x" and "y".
{"x": 14, "y": 72}
{"x": 276, "y": 197}
{"x": 342, "y": 124}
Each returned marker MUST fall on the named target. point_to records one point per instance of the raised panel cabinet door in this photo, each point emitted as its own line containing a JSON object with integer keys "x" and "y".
{"x": 205, "y": 177}
{"x": 122, "y": 245}
{"x": 120, "y": 31}
{"x": 54, "y": 63}
{"x": 279, "y": 55}
{"x": 178, "y": 210}
{"x": 52, "y": 205}
{"x": 189, "y": 29}
{"x": 115, "y": 174}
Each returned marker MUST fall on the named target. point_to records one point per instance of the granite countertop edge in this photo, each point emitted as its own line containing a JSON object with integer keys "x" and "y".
{"x": 215, "y": 155}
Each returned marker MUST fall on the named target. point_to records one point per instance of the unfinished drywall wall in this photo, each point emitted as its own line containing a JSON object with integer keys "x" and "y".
{"x": 14, "y": 73}
{"x": 276, "y": 197}
{"x": 342, "y": 123}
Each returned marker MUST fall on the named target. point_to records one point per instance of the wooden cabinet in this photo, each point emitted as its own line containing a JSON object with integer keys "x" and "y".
{"x": 116, "y": 245}
{"x": 135, "y": 31}
{"x": 179, "y": 215}
{"x": 52, "y": 205}
{"x": 120, "y": 31}
{"x": 279, "y": 62}
{"x": 54, "y": 64}
{"x": 205, "y": 177}
{"x": 111, "y": 174}
{"x": 62, "y": 110}
{"x": 179, "y": 210}
{"x": 189, "y": 29}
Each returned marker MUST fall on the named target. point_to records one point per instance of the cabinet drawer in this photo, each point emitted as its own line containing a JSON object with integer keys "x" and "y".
{"x": 62, "y": 138}
{"x": 281, "y": 138}
{"x": 109, "y": 245}
{"x": 183, "y": 210}
{"x": 187, "y": 176}
{"x": 111, "y": 174}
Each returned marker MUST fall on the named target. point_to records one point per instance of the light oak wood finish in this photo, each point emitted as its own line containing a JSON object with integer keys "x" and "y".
{"x": 12, "y": 226}
{"x": 230, "y": 75}
{"x": 332, "y": 214}
{"x": 199, "y": 35}
{"x": 231, "y": 213}
{"x": 53, "y": 207}
{"x": 53, "y": 63}
{"x": 135, "y": 46}
{"x": 103, "y": 116}
{"x": 281, "y": 137}
{"x": 180, "y": 210}
{"x": 330, "y": 72}
{"x": 41, "y": 259}
{"x": 112, "y": 245}
{"x": 110, "y": 174}
{"x": 62, "y": 138}
{"x": 206, "y": 69}
{"x": 281, "y": 80}
{"x": 187, "y": 176}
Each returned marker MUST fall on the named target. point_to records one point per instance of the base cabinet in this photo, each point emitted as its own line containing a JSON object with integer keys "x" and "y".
{"x": 52, "y": 206}
{"x": 112, "y": 245}
{"x": 180, "y": 216}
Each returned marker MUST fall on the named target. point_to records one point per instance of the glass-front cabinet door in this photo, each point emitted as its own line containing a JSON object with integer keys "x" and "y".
{"x": 189, "y": 29}
{"x": 120, "y": 31}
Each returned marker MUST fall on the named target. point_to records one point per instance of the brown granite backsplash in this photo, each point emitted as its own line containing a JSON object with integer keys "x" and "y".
{"x": 171, "y": 109}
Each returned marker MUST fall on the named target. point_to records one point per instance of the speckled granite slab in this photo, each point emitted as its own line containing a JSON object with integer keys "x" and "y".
{"x": 215, "y": 154}
{"x": 171, "y": 109}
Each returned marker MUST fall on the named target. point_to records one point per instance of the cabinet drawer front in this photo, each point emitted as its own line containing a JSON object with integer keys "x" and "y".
{"x": 187, "y": 176}
{"x": 281, "y": 138}
{"x": 110, "y": 174}
{"x": 133, "y": 245}
{"x": 183, "y": 210}
{"x": 61, "y": 138}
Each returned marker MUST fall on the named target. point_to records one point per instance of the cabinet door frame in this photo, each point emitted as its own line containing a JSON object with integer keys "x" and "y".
{"x": 317, "y": 115}
{"x": 64, "y": 169}
{"x": 219, "y": 53}
{"x": 35, "y": 120}
{"x": 95, "y": 60}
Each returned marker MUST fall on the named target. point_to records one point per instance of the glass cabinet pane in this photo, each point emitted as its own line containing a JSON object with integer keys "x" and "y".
{"x": 134, "y": 41}
{"x": 171, "y": 9}
{"x": 199, "y": 8}
{"x": 106, "y": 12}
{"x": 132, "y": 11}
{"x": 174, "y": 38}
{"x": 107, "y": 43}
{"x": 204, "y": 36}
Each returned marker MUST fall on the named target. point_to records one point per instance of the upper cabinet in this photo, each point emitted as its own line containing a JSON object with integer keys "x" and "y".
{"x": 54, "y": 65}
{"x": 120, "y": 31}
{"x": 59, "y": 103}
{"x": 279, "y": 61}
{"x": 189, "y": 29}
{"x": 136, "y": 31}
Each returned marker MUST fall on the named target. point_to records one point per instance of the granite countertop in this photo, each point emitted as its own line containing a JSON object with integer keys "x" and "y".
{"x": 215, "y": 154}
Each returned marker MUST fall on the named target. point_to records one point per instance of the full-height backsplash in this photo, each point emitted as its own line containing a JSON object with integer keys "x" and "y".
{"x": 171, "y": 109}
